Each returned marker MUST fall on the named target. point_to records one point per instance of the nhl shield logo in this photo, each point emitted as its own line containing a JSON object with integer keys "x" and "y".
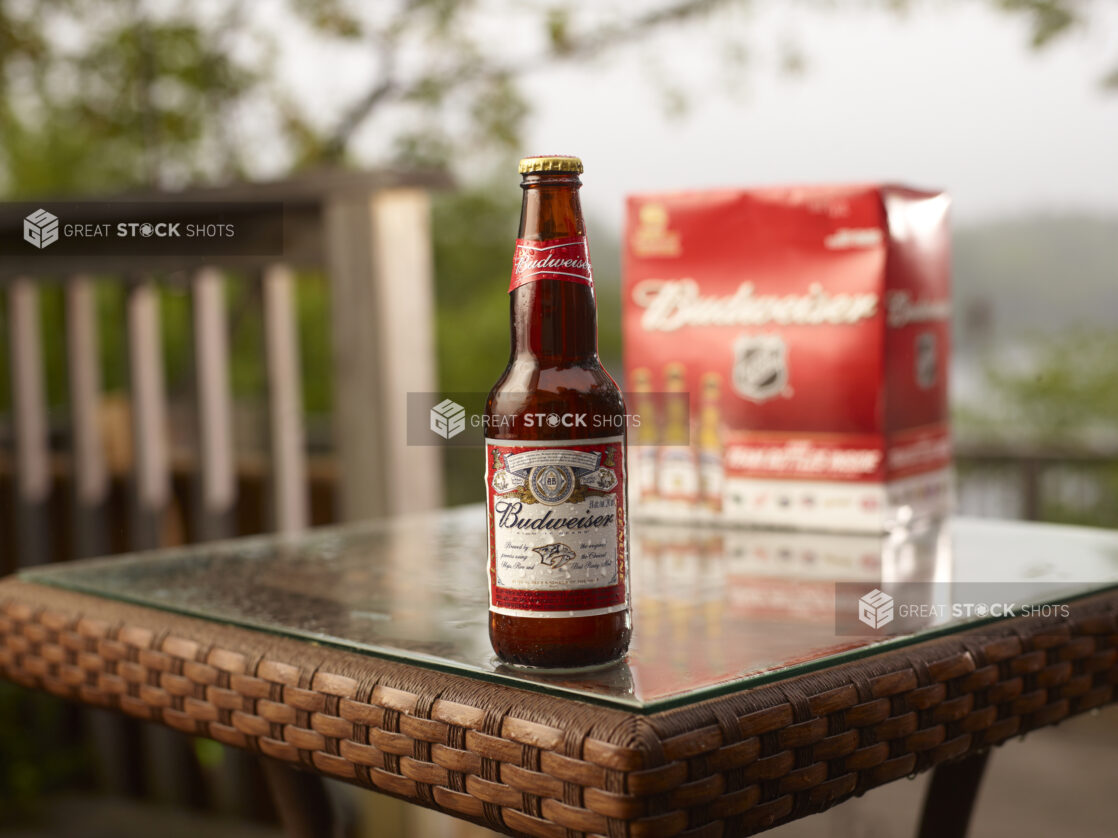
{"x": 760, "y": 366}
{"x": 927, "y": 363}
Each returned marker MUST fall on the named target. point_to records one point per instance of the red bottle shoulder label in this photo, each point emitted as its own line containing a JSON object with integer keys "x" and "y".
{"x": 567, "y": 260}
{"x": 557, "y": 527}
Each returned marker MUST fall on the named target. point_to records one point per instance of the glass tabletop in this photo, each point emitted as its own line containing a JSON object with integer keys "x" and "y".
{"x": 715, "y": 610}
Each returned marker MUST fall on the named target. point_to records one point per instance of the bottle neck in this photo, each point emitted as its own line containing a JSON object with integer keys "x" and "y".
{"x": 554, "y": 321}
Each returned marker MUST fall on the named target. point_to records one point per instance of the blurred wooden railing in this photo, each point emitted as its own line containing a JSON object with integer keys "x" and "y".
{"x": 1038, "y": 482}
{"x": 368, "y": 232}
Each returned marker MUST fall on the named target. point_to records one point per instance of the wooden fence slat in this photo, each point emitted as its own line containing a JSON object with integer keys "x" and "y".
{"x": 90, "y": 474}
{"x": 217, "y": 487}
{"x": 285, "y": 401}
{"x": 151, "y": 476}
{"x": 33, "y": 483}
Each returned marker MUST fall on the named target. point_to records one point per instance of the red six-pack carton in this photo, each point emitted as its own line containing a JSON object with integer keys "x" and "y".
{"x": 810, "y": 327}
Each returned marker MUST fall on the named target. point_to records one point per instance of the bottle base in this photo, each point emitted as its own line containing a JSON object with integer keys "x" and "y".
{"x": 560, "y": 670}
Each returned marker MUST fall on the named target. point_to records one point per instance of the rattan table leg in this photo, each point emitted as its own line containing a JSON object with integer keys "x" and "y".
{"x": 301, "y": 800}
{"x": 951, "y": 796}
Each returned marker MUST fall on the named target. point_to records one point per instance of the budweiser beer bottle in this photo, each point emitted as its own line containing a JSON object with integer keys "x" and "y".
{"x": 555, "y": 449}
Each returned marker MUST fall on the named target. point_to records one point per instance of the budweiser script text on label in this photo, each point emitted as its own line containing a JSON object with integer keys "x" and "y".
{"x": 674, "y": 304}
{"x": 567, "y": 260}
{"x": 904, "y": 310}
{"x": 556, "y": 527}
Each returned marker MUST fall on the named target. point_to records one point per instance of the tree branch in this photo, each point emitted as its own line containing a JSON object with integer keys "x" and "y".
{"x": 362, "y": 109}
{"x": 569, "y": 49}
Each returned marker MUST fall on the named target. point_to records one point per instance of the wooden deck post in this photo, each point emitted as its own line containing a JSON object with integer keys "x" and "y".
{"x": 378, "y": 254}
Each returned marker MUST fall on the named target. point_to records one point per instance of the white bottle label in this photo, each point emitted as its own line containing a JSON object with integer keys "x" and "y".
{"x": 557, "y": 527}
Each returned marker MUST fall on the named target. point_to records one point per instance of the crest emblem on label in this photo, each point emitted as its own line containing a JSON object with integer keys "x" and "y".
{"x": 760, "y": 367}
{"x": 552, "y": 484}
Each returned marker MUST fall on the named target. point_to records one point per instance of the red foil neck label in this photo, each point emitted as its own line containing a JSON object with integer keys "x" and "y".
{"x": 567, "y": 260}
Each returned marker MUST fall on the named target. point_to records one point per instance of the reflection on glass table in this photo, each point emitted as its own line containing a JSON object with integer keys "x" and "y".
{"x": 715, "y": 609}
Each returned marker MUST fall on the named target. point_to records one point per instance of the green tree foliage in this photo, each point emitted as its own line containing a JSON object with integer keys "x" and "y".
{"x": 1063, "y": 391}
{"x": 473, "y": 257}
{"x": 101, "y": 96}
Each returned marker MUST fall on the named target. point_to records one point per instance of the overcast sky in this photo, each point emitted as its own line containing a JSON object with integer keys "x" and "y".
{"x": 949, "y": 95}
{"x": 953, "y": 99}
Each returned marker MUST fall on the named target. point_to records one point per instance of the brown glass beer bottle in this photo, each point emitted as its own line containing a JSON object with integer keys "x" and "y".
{"x": 555, "y": 449}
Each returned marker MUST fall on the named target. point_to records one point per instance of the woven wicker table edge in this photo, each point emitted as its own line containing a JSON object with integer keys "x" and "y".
{"x": 522, "y": 762}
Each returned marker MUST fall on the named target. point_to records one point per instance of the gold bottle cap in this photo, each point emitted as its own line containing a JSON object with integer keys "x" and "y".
{"x": 551, "y": 163}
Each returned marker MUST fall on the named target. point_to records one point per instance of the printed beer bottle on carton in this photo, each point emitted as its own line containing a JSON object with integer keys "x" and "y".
{"x": 677, "y": 466}
{"x": 555, "y": 449}
{"x": 710, "y": 442}
{"x": 642, "y": 456}
{"x": 825, "y": 314}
